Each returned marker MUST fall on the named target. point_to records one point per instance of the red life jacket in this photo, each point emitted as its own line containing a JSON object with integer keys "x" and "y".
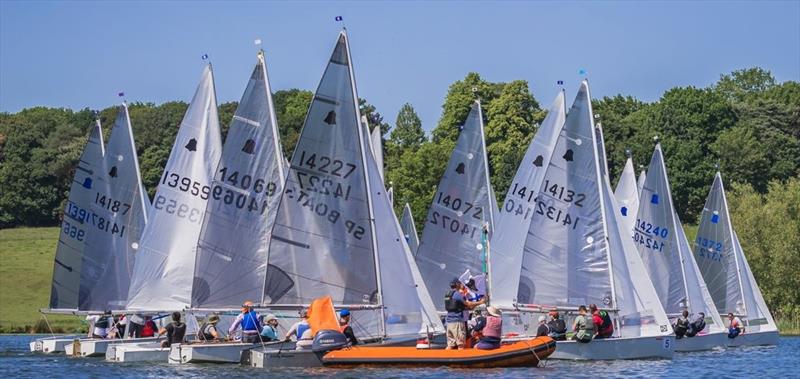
{"x": 149, "y": 329}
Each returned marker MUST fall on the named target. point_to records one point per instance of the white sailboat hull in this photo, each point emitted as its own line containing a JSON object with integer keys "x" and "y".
{"x": 230, "y": 352}
{"x": 95, "y": 347}
{"x": 753, "y": 339}
{"x": 137, "y": 352}
{"x": 285, "y": 356}
{"x": 701, "y": 342}
{"x": 51, "y": 345}
{"x": 617, "y": 348}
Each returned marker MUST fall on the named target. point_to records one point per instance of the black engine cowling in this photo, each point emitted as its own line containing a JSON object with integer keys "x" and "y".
{"x": 327, "y": 340}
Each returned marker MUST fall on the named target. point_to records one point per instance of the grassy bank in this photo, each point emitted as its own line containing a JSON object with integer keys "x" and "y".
{"x": 26, "y": 268}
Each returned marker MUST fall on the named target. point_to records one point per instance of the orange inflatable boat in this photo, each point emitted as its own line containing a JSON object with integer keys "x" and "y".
{"x": 522, "y": 353}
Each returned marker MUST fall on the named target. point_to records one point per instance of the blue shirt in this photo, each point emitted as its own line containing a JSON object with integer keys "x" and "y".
{"x": 456, "y": 316}
{"x": 269, "y": 333}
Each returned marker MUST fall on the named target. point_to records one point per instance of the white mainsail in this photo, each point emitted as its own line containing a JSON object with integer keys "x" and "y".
{"x": 662, "y": 244}
{"x": 77, "y": 221}
{"x": 576, "y": 251}
{"x": 121, "y": 205}
{"x": 163, "y": 273}
{"x": 627, "y": 196}
{"x": 514, "y": 218}
{"x": 462, "y": 204}
{"x": 601, "y": 149}
{"x": 246, "y": 189}
{"x": 409, "y": 229}
{"x": 335, "y": 227}
{"x": 724, "y": 267}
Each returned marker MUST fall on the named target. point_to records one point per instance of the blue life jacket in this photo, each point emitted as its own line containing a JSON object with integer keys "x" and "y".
{"x": 302, "y": 329}
{"x": 250, "y": 322}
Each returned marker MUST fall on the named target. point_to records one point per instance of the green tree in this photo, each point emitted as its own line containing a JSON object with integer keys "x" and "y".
{"x": 407, "y": 132}
{"x": 733, "y": 144}
{"x": 291, "y": 107}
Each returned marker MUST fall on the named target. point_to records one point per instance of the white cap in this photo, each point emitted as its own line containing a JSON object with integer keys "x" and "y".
{"x": 541, "y": 318}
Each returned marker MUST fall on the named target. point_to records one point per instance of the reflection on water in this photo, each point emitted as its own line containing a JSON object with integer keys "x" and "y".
{"x": 768, "y": 361}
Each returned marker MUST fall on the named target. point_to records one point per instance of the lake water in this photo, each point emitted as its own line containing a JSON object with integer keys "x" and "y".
{"x": 782, "y": 360}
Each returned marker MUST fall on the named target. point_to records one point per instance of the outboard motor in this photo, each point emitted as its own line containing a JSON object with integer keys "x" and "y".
{"x": 327, "y": 340}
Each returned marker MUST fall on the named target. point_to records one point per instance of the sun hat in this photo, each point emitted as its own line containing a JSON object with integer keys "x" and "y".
{"x": 542, "y": 318}
{"x": 269, "y": 317}
{"x": 213, "y": 319}
{"x": 493, "y": 311}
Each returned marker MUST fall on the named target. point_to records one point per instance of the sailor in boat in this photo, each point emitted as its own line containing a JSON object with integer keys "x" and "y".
{"x": 558, "y": 328}
{"x": 135, "y": 325}
{"x": 492, "y": 331}
{"x": 583, "y": 326}
{"x": 602, "y": 322}
{"x": 149, "y": 328}
{"x": 735, "y": 326}
{"x": 100, "y": 325}
{"x": 345, "y": 328}
{"x": 543, "y": 328}
{"x": 301, "y": 331}
{"x": 270, "y": 330}
{"x": 120, "y": 326}
{"x": 456, "y": 303}
{"x": 681, "y": 325}
{"x": 175, "y": 331}
{"x": 697, "y": 324}
{"x": 474, "y": 327}
{"x": 249, "y": 322}
{"x": 208, "y": 330}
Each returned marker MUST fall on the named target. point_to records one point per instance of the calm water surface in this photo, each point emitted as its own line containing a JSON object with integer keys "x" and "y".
{"x": 782, "y": 360}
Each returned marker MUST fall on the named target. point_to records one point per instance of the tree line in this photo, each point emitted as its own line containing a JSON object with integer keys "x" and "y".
{"x": 747, "y": 124}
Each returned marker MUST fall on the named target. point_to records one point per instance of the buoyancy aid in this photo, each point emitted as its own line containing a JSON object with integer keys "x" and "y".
{"x": 451, "y": 304}
{"x": 494, "y": 327}
{"x": 250, "y": 322}
{"x": 301, "y": 328}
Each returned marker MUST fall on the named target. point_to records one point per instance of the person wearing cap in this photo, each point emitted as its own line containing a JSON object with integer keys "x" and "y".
{"x": 248, "y": 320}
{"x": 208, "y": 331}
{"x": 345, "y": 328}
{"x": 493, "y": 331}
{"x": 301, "y": 331}
{"x": 558, "y": 328}
{"x": 270, "y": 330}
{"x": 456, "y": 303}
{"x": 543, "y": 328}
{"x": 583, "y": 326}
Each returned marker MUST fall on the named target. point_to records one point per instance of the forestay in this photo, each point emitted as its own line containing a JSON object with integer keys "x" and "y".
{"x": 409, "y": 229}
{"x": 723, "y": 265}
{"x": 120, "y": 205}
{"x": 627, "y": 196}
{"x": 232, "y": 251}
{"x": 515, "y": 215}
{"x": 462, "y": 204}
{"x": 662, "y": 244}
{"x": 77, "y": 221}
{"x": 163, "y": 273}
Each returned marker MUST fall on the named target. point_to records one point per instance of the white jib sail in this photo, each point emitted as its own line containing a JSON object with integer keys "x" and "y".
{"x": 164, "y": 269}
{"x": 640, "y": 181}
{"x": 515, "y": 214}
{"x": 723, "y": 265}
{"x": 462, "y": 204}
{"x": 246, "y": 189}
{"x": 627, "y": 195}
{"x": 77, "y": 221}
{"x": 120, "y": 204}
{"x": 409, "y": 229}
{"x": 376, "y": 140}
{"x": 662, "y": 244}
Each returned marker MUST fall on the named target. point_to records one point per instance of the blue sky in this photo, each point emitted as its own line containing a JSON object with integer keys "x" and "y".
{"x": 81, "y": 54}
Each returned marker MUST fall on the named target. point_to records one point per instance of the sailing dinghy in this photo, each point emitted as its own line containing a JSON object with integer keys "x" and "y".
{"x": 565, "y": 247}
{"x": 727, "y": 274}
{"x": 162, "y": 274}
{"x": 662, "y": 244}
{"x": 463, "y": 206}
{"x": 76, "y": 223}
{"x": 336, "y": 234}
{"x": 120, "y": 203}
{"x": 249, "y": 181}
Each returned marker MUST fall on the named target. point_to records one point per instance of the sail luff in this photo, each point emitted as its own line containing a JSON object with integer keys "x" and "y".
{"x": 602, "y": 179}
{"x": 640, "y": 181}
{"x": 366, "y": 182}
{"x": 145, "y": 201}
{"x": 492, "y": 199}
{"x": 274, "y": 120}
